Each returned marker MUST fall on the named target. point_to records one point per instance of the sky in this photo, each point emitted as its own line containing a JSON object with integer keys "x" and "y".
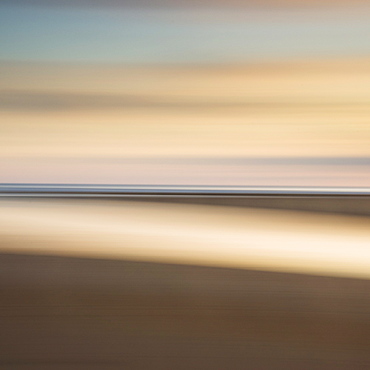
{"x": 82, "y": 115}
{"x": 112, "y": 34}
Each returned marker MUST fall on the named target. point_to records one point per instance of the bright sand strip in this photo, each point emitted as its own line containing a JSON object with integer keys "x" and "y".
{"x": 190, "y": 234}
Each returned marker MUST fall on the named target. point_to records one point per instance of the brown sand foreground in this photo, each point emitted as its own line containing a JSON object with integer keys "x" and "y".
{"x": 132, "y": 285}
{"x": 80, "y": 313}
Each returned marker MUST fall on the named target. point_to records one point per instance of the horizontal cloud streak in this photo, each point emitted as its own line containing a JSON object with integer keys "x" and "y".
{"x": 177, "y": 36}
{"x": 187, "y": 3}
{"x": 52, "y": 101}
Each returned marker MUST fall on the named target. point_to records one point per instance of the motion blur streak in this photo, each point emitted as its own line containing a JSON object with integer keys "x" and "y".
{"x": 280, "y": 124}
{"x": 262, "y": 239}
{"x": 270, "y": 94}
{"x": 117, "y": 92}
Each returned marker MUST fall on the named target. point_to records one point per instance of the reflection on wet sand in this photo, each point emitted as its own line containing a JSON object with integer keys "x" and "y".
{"x": 196, "y": 234}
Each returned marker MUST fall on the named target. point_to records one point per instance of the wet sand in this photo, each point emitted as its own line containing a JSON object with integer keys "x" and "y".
{"x": 107, "y": 284}
{"x": 273, "y": 240}
{"x": 80, "y": 313}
